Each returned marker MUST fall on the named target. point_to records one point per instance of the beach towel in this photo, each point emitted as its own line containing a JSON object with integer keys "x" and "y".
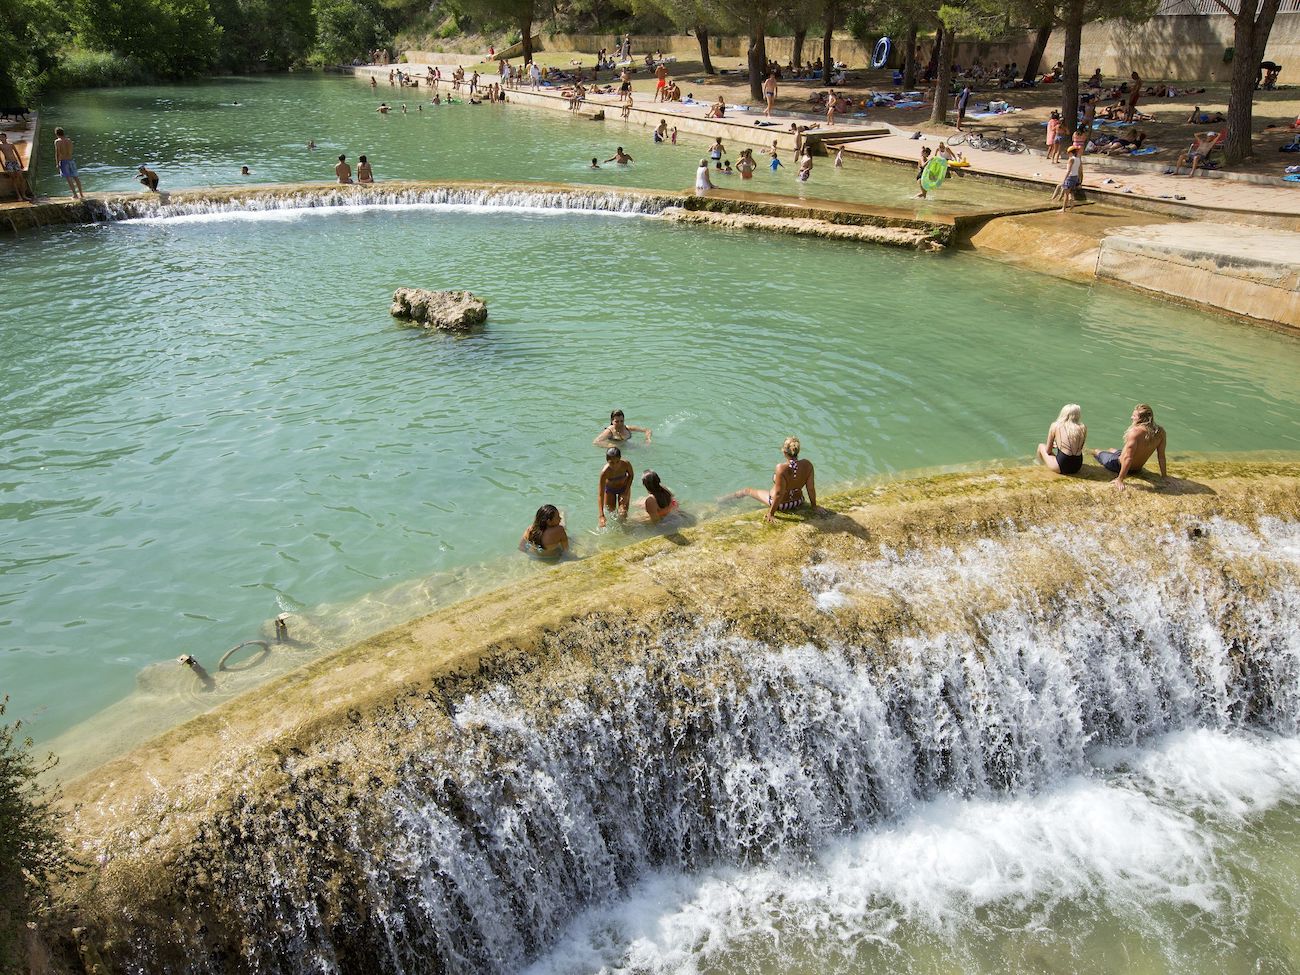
{"x": 1293, "y": 178}
{"x": 911, "y": 105}
{"x": 1145, "y": 151}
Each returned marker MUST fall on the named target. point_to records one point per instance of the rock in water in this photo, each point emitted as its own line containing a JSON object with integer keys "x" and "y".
{"x": 453, "y": 311}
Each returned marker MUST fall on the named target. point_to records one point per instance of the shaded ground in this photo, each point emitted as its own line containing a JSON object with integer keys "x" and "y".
{"x": 1275, "y": 111}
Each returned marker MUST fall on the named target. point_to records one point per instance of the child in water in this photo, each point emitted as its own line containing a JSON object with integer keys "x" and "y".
{"x": 614, "y": 489}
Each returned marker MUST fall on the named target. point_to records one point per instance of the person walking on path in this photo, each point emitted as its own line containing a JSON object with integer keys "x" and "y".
{"x": 962, "y": 101}
{"x": 67, "y": 167}
{"x": 1142, "y": 439}
{"x": 769, "y": 93}
{"x": 13, "y": 168}
{"x": 1054, "y": 139}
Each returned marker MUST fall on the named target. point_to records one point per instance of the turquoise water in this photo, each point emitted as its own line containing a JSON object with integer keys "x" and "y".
{"x": 212, "y": 419}
{"x": 209, "y": 420}
{"x": 200, "y": 135}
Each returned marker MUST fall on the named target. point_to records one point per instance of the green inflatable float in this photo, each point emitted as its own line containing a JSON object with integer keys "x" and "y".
{"x": 935, "y": 172}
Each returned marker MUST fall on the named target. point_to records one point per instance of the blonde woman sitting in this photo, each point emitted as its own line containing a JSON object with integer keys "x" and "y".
{"x": 1063, "y": 451}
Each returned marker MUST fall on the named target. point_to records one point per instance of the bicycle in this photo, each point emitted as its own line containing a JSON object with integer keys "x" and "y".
{"x": 1000, "y": 142}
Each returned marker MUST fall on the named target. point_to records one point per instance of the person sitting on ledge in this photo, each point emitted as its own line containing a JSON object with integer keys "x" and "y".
{"x": 1063, "y": 451}
{"x": 546, "y": 537}
{"x": 1142, "y": 439}
{"x": 343, "y": 171}
{"x": 789, "y": 480}
{"x": 148, "y": 179}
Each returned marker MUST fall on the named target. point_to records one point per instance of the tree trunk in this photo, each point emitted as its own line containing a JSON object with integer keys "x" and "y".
{"x": 702, "y": 35}
{"x": 943, "y": 78}
{"x": 1070, "y": 59}
{"x": 799, "y": 36}
{"x": 1249, "y": 40}
{"x": 526, "y": 30}
{"x": 757, "y": 64}
{"x": 909, "y": 58}
{"x": 1036, "y": 54}
{"x": 828, "y": 37}
{"x": 931, "y": 66}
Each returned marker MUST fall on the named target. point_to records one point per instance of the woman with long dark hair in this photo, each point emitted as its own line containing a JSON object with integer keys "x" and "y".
{"x": 546, "y": 537}
{"x": 659, "y": 503}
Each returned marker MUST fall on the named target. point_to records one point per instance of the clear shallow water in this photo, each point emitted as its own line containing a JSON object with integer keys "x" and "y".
{"x": 200, "y": 135}
{"x": 213, "y": 419}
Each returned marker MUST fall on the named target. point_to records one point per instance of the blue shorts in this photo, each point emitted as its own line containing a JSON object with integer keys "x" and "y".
{"x": 1070, "y": 182}
{"x": 1109, "y": 459}
{"x": 67, "y": 169}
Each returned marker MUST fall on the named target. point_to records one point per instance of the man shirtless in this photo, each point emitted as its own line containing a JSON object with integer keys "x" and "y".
{"x": 67, "y": 168}
{"x": 343, "y": 171}
{"x": 1141, "y": 440}
{"x": 12, "y": 167}
{"x": 661, "y": 85}
{"x": 789, "y": 480}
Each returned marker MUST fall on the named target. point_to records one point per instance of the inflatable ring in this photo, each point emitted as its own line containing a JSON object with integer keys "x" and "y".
{"x": 881, "y": 53}
{"x": 958, "y": 163}
{"x": 252, "y": 661}
{"x": 935, "y": 172}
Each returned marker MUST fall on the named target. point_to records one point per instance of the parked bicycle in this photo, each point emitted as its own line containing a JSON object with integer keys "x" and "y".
{"x": 998, "y": 141}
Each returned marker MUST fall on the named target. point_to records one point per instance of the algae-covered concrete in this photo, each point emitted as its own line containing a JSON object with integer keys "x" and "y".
{"x": 278, "y": 774}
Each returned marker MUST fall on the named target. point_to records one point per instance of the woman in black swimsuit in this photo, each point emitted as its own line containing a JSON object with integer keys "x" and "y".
{"x": 1063, "y": 451}
{"x": 619, "y": 431}
{"x": 614, "y": 492}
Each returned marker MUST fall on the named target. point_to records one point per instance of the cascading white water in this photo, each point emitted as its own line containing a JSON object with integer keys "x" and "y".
{"x": 663, "y": 800}
{"x": 486, "y": 198}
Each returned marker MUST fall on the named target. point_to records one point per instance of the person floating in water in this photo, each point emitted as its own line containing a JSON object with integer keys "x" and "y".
{"x": 619, "y": 431}
{"x": 1142, "y": 439}
{"x": 245, "y": 171}
{"x": 546, "y": 537}
{"x": 659, "y": 503}
{"x": 614, "y": 491}
{"x": 791, "y": 477}
{"x": 1063, "y": 451}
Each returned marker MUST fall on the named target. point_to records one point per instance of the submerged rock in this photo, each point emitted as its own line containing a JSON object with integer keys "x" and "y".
{"x": 452, "y": 311}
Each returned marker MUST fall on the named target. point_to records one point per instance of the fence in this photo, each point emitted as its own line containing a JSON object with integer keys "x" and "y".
{"x": 1201, "y": 8}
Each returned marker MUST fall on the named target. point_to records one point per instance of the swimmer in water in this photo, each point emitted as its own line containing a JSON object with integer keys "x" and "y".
{"x": 383, "y": 108}
{"x": 791, "y": 477}
{"x": 311, "y": 144}
{"x": 245, "y": 171}
{"x": 618, "y": 431}
{"x": 659, "y": 503}
{"x": 620, "y": 157}
{"x": 614, "y": 490}
{"x": 546, "y": 537}
{"x": 595, "y": 163}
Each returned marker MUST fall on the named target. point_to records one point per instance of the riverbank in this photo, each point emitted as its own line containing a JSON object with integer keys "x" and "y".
{"x": 209, "y": 839}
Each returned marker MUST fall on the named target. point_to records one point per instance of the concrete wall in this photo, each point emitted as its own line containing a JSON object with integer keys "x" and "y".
{"x": 1163, "y": 48}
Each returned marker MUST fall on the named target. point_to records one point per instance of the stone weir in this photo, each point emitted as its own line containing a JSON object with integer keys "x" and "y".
{"x": 823, "y": 218}
{"x": 449, "y": 795}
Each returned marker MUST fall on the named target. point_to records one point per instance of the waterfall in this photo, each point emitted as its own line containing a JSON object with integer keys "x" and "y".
{"x": 518, "y": 198}
{"x": 974, "y": 670}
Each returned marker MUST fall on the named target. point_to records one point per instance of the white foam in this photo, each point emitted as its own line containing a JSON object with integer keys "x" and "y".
{"x": 296, "y": 214}
{"x": 1129, "y": 843}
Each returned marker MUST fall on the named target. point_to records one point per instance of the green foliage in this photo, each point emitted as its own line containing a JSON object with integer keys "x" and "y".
{"x": 31, "y": 33}
{"x": 172, "y": 38}
{"x": 80, "y": 68}
{"x": 267, "y": 35}
{"x": 33, "y": 856}
{"x": 345, "y": 29}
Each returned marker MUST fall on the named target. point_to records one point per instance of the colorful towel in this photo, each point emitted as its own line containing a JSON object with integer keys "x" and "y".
{"x": 1146, "y": 151}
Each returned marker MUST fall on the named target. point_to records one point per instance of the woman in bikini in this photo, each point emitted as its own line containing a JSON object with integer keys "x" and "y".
{"x": 614, "y": 490}
{"x": 1063, "y": 451}
{"x": 546, "y": 537}
{"x": 618, "y": 431}
{"x": 659, "y": 503}
{"x": 789, "y": 480}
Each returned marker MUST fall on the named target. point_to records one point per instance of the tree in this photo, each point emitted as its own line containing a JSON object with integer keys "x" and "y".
{"x": 1073, "y": 14}
{"x": 690, "y": 16}
{"x": 344, "y": 30}
{"x": 263, "y": 34}
{"x": 174, "y": 38}
{"x": 519, "y": 14}
{"x": 1252, "y": 24}
{"x": 33, "y": 856}
{"x": 751, "y": 18}
{"x": 31, "y": 32}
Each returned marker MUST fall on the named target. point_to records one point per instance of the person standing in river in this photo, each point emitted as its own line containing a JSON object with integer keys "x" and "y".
{"x": 614, "y": 489}
{"x": 67, "y": 167}
{"x": 789, "y": 481}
